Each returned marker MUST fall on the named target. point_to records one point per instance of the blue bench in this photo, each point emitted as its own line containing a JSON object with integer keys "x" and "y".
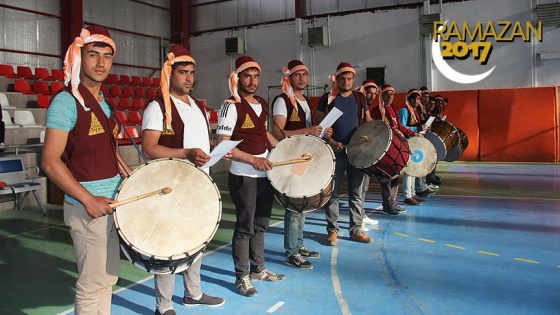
{"x": 13, "y": 173}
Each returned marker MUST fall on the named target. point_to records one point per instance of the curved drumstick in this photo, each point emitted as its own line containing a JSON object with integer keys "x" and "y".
{"x": 304, "y": 158}
{"x": 360, "y": 140}
{"x": 164, "y": 191}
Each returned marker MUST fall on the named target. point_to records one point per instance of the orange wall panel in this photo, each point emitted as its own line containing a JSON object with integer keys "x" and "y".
{"x": 518, "y": 125}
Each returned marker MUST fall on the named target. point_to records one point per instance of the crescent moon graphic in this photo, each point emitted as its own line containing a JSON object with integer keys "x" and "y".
{"x": 451, "y": 73}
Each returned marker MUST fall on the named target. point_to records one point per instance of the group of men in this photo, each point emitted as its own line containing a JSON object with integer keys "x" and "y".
{"x": 80, "y": 157}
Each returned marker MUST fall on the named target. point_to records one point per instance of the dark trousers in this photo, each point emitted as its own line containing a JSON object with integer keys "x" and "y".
{"x": 253, "y": 199}
{"x": 389, "y": 190}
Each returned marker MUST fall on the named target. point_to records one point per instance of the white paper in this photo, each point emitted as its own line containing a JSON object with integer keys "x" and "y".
{"x": 219, "y": 151}
{"x": 443, "y": 118}
{"x": 428, "y": 124}
{"x": 329, "y": 120}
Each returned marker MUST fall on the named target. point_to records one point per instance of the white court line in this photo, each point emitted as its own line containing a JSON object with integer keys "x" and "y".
{"x": 336, "y": 283}
{"x": 494, "y": 197}
{"x": 275, "y": 307}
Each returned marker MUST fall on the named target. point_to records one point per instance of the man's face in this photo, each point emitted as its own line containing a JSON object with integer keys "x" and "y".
{"x": 182, "y": 79}
{"x": 431, "y": 105}
{"x": 371, "y": 93}
{"x": 298, "y": 80}
{"x": 96, "y": 63}
{"x": 249, "y": 80}
{"x": 388, "y": 97}
{"x": 345, "y": 81}
{"x": 415, "y": 101}
{"x": 439, "y": 104}
{"x": 425, "y": 98}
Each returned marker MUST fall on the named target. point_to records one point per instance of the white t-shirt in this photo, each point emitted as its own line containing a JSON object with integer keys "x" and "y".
{"x": 195, "y": 133}
{"x": 279, "y": 109}
{"x": 226, "y": 123}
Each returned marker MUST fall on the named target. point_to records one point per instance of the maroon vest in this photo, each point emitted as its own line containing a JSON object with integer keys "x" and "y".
{"x": 91, "y": 149}
{"x": 250, "y": 128}
{"x": 294, "y": 124}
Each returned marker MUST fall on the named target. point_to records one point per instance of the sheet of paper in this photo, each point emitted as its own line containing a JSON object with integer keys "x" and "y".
{"x": 220, "y": 150}
{"x": 428, "y": 124}
{"x": 444, "y": 117}
{"x": 329, "y": 120}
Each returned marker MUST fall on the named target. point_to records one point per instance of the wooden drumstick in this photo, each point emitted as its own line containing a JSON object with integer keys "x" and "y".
{"x": 164, "y": 191}
{"x": 360, "y": 140}
{"x": 304, "y": 158}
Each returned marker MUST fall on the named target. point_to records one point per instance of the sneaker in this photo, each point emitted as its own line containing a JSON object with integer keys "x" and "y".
{"x": 168, "y": 312}
{"x": 411, "y": 201}
{"x": 364, "y": 228}
{"x": 332, "y": 238}
{"x": 245, "y": 286}
{"x": 426, "y": 192}
{"x": 390, "y": 211}
{"x": 400, "y": 210}
{"x": 433, "y": 186}
{"x": 307, "y": 253}
{"x": 206, "y": 300}
{"x": 267, "y": 275}
{"x": 298, "y": 261}
{"x": 417, "y": 198}
{"x": 367, "y": 220}
{"x": 361, "y": 237}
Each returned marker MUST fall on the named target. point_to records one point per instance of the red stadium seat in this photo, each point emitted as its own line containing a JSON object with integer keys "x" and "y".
{"x": 124, "y": 79}
{"x": 41, "y": 87}
{"x": 23, "y": 86}
{"x": 124, "y": 103}
{"x": 57, "y": 74}
{"x": 138, "y": 103}
{"x": 121, "y": 115}
{"x": 155, "y": 82}
{"x": 115, "y": 91}
{"x": 7, "y": 71}
{"x": 43, "y": 100}
{"x": 146, "y": 81}
{"x": 25, "y": 72}
{"x": 112, "y": 79}
{"x": 104, "y": 89}
{"x": 128, "y": 91}
{"x": 112, "y": 101}
{"x": 151, "y": 92}
{"x": 43, "y": 74}
{"x": 135, "y": 80}
{"x": 135, "y": 117}
{"x": 123, "y": 138}
{"x": 213, "y": 117}
{"x": 140, "y": 92}
{"x": 56, "y": 86}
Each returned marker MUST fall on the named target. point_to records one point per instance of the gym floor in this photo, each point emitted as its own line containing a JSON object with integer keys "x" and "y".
{"x": 485, "y": 243}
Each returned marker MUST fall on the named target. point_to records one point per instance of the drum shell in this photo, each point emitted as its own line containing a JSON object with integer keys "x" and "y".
{"x": 378, "y": 150}
{"x": 164, "y": 234}
{"x": 314, "y": 187}
{"x": 444, "y": 137}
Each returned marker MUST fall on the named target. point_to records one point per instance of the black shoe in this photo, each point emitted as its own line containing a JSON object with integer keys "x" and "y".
{"x": 298, "y": 262}
{"x": 168, "y": 312}
{"x": 205, "y": 300}
{"x": 400, "y": 210}
{"x": 418, "y": 198}
{"x": 307, "y": 253}
{"x": 426, "y": 192}
{"x": 411, "y": 201}
{"x": 390, "y": 211}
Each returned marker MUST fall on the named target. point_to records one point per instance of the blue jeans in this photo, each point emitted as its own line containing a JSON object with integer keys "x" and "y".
{"x": 293, "y": 231}
{"x": 355, "y": 181}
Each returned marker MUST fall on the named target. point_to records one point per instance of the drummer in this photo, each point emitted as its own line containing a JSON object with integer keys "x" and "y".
{"x": 353, "y": 106}
{"x": 244, "y": 116}
{"x": 80, "y": 157}
{"x": 386, "y": 113}
{"x": 410, "y": 118}
{"x": 175, "y": 126}
{"x": 292, "y": 116}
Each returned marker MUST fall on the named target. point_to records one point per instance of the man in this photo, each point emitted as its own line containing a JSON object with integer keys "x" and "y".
{"x": 386, "y": 112}
{"x": 163, "y": 121}
{"x": 292, "y": 116}
{"x": 370, "y": 89}
{"x": 352, "y": 105}
{"x": 243, "y": 117}
{"x": 410, "y": 119}
{"x": 80, "y": 157}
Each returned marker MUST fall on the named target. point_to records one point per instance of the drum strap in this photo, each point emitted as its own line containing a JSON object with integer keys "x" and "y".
{"x": 140, "y": 154}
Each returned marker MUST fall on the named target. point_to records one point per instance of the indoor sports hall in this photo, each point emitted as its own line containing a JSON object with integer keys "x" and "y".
{"x": 483, "y": 240}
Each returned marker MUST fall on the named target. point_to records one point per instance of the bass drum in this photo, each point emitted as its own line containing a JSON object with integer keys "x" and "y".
{"x": 423, "y": 157}
{"x": 459, "y": 149}
{"x": 166, "y": 233}
{"x": 306, "y": 186}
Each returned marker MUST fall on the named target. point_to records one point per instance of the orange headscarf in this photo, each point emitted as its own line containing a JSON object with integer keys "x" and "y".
{"x": 241, "y": 63}
{"x": 293, "y": 67}
{"x": 73, "y": 58}
{"x": 177, "y": 53}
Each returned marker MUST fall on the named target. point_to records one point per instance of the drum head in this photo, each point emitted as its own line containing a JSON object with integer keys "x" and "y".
{"x": 423, "y": 157}
{"x": 438, "y": 144}
{"x": 317, "y": 173}
{"x": 168, "y": 225}
{"x": 369, "y": 143}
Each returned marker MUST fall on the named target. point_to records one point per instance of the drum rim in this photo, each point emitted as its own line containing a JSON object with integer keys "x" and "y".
{"x": 122, "y": 236}
{"x": 384, "y": 151}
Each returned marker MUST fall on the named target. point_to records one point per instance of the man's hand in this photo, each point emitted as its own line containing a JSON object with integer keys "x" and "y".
{"x": 98, "y": 206}
{"x": 314, "y": 130}
{"x": 261, "y": 164}
{"x": 328, "y": 132}
{"x": 197, "y": 156}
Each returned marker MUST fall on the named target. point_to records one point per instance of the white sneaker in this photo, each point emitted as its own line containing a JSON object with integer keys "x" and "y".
{"x": 432, "y": 186}
{"x": 367, "y": 220}
{"x": 364, "y": 228}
